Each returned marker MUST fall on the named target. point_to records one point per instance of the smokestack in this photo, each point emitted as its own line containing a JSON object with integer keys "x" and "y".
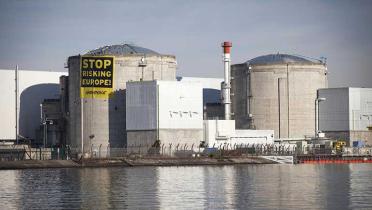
{"x": 226, "y": 84}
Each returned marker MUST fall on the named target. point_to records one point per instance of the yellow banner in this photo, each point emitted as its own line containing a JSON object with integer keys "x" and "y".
{"x": 96, "y": 76}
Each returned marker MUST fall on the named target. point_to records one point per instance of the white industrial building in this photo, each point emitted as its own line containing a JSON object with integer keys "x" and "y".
{"x": 33, "y": 87}
{"x": 211, "y": 88}
{"x": 223, "y": 132}
{"x": 346, "y": 113}
{"x": 171, "y": 112}
{"x": 168, "y": 111}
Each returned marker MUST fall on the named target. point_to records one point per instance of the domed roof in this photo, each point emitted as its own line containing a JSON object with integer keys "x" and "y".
{"x": 280, "y": 59}
{"x": 121, "y": 49}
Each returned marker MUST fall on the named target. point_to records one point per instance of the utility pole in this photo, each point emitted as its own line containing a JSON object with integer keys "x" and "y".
{"x": 82, "y": 125}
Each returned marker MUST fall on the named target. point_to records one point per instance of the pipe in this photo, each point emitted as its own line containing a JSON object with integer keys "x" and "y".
{"x": 82, "y": 125}
{"x": 317, "y": 100}
{"x": 226, "y": 84}
{"x": 287, "y": 102}
{"x": 279, "y": 107}
{"x": 16, "y": 103}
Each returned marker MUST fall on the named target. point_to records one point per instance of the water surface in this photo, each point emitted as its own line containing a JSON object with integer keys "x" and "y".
{"x": 306, "y": 186}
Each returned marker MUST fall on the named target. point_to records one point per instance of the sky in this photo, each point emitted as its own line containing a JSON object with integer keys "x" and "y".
{"x": 41, "y": 34}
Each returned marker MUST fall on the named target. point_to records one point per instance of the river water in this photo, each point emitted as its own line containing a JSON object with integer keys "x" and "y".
{"x": 303, "y": 186}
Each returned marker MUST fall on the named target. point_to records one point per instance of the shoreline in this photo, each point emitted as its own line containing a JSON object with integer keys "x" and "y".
{"x": 129, "y": 162}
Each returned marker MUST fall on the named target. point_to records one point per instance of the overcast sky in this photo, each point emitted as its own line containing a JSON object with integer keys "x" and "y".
{"x": 42, "y": 34}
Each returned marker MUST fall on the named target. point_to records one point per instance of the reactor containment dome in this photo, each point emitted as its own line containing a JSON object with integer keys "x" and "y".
{"x": 102, "y": 126}
{"x": 277, "y": 92}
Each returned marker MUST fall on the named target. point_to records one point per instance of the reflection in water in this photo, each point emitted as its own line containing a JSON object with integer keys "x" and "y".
{"x": 180, "y": 186}
{"x": 134, "y": 188}
{"x": 219, "y": 186}
{"x": 8, "y": 188}
{"x": 360, "y": 186}
{"x": 95, "y": 188}
{"x": 335, "y": 186}
{"x": 327, "y": 186}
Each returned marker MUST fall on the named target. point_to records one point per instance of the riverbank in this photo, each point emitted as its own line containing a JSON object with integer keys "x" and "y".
{"x": 130, "y": 162}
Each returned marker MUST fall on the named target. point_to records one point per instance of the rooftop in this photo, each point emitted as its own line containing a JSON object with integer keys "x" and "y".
{"x": 281, "y": 59}
{"x": 121, "y": 49}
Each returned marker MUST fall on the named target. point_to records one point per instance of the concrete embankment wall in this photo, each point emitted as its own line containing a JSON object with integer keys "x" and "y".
{"x": 125, "y": 162}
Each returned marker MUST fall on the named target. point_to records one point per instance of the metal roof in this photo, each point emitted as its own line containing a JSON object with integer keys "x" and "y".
{"x": 280, "y": 59}
{"x": 121, "y": 49}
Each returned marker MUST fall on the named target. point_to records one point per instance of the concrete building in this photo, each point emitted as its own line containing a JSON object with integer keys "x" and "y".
{"x": 168, "y": 111}
{"x": 213, "y": 108}
{"x": 211, "y": 88}
{"x": 33, "y": 87}
{"x": 277, "y": 92}
{"x": 346, "y": 114}
{"x": 223, "y": 132}
{"x": 104, "y": 123}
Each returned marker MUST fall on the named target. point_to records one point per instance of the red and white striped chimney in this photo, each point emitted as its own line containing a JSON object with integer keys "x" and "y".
{"x": 226, "y": 84}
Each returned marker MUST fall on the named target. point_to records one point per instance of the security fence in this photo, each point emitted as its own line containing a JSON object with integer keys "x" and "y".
{"x": 24, "y": 152}
{"x": 171, "y": 150}
{"x": 184, "y": 150}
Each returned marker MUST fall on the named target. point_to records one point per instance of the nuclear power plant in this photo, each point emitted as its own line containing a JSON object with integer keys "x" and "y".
{"x": 119, "y": 97}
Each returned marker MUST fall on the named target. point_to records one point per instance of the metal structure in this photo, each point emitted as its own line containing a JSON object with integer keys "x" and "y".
{"x": 16, "y": 103}
{"x": 277, "y": 92}
{"x": 317, "y": 100}
{"x": 52, "y": 127}
{"x": 226, "y": 84}
{"x": 102, "y": 121}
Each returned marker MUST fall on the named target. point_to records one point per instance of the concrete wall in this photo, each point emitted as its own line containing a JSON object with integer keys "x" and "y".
{"x": 350, "y": 136}
{"x": 365, "y": 136}
{"x": 220, "y": 132}
{"x": 141, "y": 137}
{"x": 240, "y": 96}
{"x": 34, "y": 87}
{"x": 217, "y": 131}
{"x": 211, "y": 96}
{"x": 141, "y": 103}
{"x": 346, "y": 113}
{"x": 360, "y": 108}
{"x": 180, "y": 105}
{"x": 181, "y": 136}
{"x": 213, "y": 111}
{"x": 345, "y": 109}
{"x": 334, "y": 111}
{"x": 278, "y": 97}
{"x": 169, "y": 138}
{"x": 105, "y": 119}
{"x": 211, "y": 88}
{"x": 168, "y": 111}
{"x": 253, "y": 137}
